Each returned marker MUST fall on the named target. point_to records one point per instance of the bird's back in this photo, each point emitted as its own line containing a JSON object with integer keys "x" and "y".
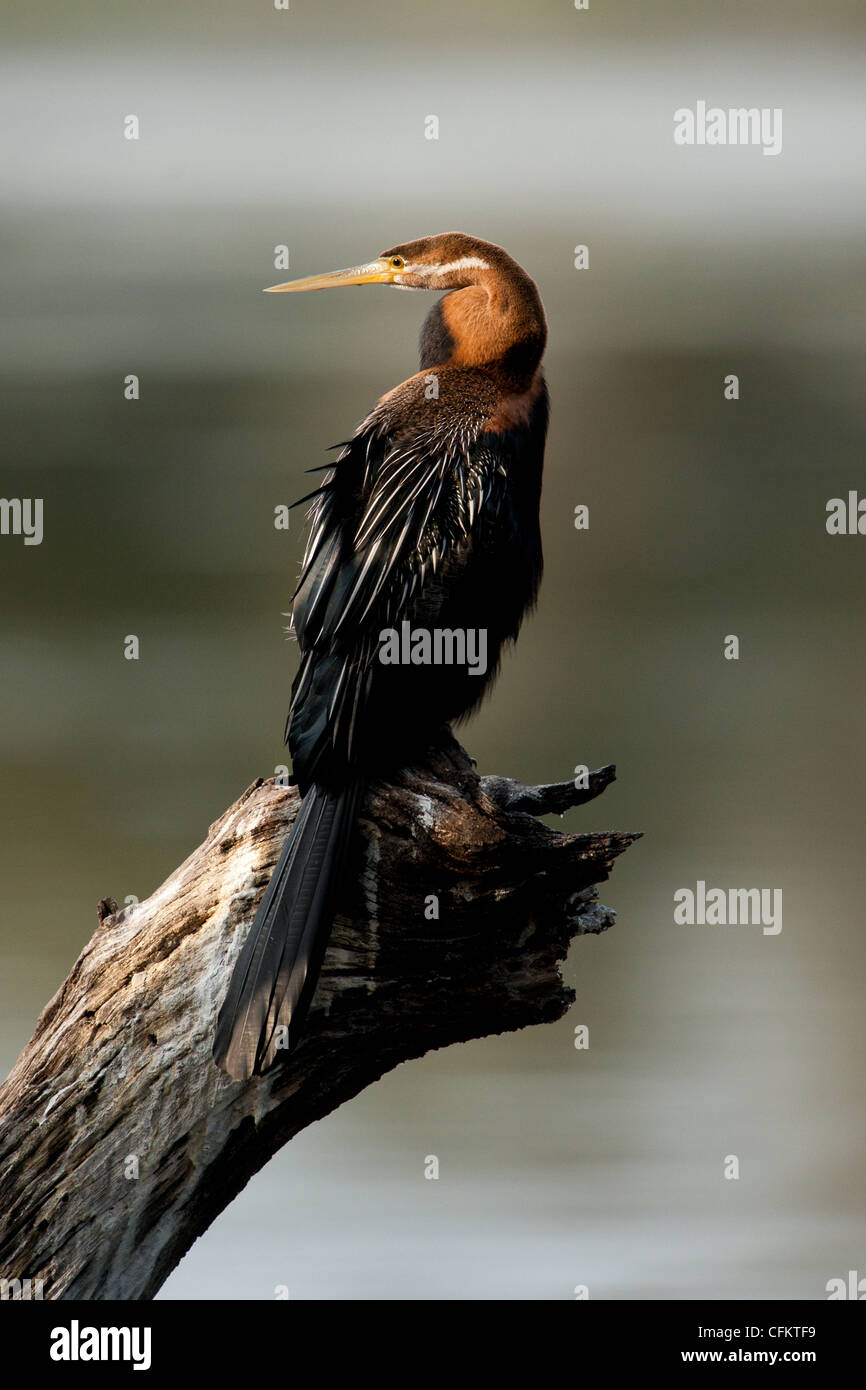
{"x": 428, "y": 518}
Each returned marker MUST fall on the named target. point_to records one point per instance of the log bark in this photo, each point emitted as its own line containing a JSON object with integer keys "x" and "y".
{"x": 120, "y": 1141}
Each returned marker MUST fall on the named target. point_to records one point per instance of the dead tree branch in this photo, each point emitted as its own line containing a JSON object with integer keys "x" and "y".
{"x": 120, "y": 1142}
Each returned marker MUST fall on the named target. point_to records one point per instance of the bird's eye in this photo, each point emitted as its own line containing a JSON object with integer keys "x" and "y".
{"x": 397, "y": 263}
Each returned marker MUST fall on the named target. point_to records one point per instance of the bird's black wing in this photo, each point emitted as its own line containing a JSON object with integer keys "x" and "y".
{"x": 386, "y": 521}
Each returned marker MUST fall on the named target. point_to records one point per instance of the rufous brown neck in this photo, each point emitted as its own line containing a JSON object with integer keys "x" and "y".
{"x": 496, "y": 324}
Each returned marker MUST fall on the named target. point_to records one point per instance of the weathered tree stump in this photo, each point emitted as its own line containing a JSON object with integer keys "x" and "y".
{"x": 120, "y": 1141}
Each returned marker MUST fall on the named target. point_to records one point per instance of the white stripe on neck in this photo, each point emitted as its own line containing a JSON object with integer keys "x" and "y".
{"x": 465, "y": 263}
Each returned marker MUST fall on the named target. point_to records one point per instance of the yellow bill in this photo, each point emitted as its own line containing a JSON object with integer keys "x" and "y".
{"x": 379, "y": 272}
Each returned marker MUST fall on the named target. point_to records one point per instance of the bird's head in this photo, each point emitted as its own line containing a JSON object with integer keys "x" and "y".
{"x": 449, "y": 261}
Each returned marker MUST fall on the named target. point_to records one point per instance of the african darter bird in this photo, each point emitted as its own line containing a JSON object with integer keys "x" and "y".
{"x": 429, "y": 515}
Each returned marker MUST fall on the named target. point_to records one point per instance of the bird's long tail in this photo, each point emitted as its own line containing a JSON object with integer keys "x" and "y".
{"x": 276, "y": 973}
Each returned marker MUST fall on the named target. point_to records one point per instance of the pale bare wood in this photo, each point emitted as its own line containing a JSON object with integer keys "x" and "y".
{"x": 118, "y": 1077}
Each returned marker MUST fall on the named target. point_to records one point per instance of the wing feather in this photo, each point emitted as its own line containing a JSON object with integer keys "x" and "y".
{"x": 381, "y": 523}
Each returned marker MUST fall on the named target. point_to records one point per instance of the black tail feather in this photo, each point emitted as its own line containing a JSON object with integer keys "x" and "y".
{"x": 275, "y": 976}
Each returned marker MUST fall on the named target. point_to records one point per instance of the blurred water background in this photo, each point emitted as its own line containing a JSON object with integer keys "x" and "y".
{"x": 558, "y": 1167}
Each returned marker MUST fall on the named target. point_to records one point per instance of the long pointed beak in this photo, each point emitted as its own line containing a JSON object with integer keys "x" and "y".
{"x": 378, "y": 272}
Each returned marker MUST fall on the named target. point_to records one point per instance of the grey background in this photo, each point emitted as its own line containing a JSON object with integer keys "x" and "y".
{"x": 558, "y": 1167}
